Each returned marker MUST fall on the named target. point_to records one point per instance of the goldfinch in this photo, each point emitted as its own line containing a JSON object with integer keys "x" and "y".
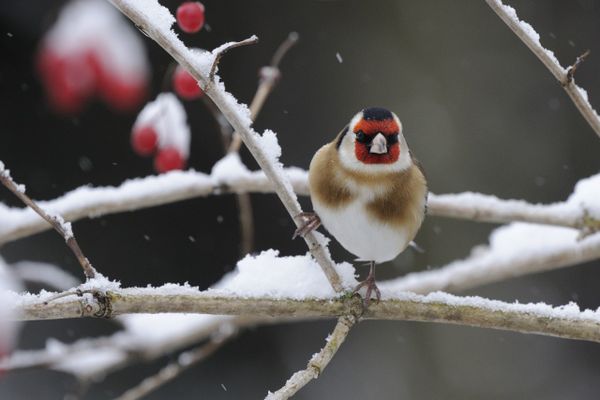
{"x": 368, "y": 191}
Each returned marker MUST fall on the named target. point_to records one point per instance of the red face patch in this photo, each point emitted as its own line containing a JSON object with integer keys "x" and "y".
{"x": 362, "y": 154}
{"x": 370, "y": 128}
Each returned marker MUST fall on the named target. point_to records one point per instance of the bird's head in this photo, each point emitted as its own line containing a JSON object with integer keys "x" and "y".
{"x": 373, "y": 141}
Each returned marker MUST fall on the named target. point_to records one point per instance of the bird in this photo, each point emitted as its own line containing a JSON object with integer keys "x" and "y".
{"x": 368, "y": 191}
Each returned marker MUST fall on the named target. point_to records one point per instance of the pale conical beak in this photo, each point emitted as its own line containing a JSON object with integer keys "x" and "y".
{"x": 379, "y": 144}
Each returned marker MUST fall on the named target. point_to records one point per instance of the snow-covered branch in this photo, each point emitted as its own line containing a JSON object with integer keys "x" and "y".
{"x": 531, "y": 38}
{"x": 229, "y": 175}
{"x": 514, "y": 250}
{"x": 566, "y": 321}
{"x": 156, "y": 20}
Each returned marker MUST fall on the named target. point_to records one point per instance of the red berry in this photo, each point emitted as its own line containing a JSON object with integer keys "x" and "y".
{"x": 190, "y": 16}
{"x": 168, "y": 159}
{"x": 144, "y": 140}
{"x": 185, "y": 85}
{"x": 123, "y": 95}
{"x": 69, "y": 80}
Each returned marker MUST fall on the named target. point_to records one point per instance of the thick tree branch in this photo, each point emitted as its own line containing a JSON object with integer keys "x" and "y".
{"x": 564, "y": 76}
{"x": 166, "y": 38}
{"x": 566, "y": 322}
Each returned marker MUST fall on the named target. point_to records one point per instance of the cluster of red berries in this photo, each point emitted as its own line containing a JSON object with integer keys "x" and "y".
{"x": 190, "y": 18}
{"x": 75, "y": 63}
{"x": 71, "y": 79}
{"x": 144, "y": 141}
{"x": 151, "y": 137}
{"x": 161, "y": 130}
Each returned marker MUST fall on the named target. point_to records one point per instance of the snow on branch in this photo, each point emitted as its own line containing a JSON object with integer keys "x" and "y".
{"x": 156, "y": 20}
{"x": 531, "y": 38}
{"x": 567, "y": 321}
{"x": 229, "y": 175}
{"x": 514, "y": 250}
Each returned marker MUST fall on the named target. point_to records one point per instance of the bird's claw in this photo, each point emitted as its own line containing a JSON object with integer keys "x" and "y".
{"x": 311, "y": 222}
{"x": 371, "y": 287}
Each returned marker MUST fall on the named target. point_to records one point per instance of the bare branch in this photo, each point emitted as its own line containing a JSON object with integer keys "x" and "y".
{"x": 269, "y": 76}
{"x": 566, "y": 322}
{"x": 55, "y": 220}
{"x": 318, "y": 362}
{"x": 164, "y": 36}
{"x": 531, "y": 39}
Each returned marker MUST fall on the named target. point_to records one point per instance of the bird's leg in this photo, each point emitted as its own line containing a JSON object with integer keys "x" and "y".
{"x": 371, "y": 286}
{"x": 311, "y": 222}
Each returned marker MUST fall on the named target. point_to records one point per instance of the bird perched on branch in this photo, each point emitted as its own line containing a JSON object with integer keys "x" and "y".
{"x": 368, "y": 191}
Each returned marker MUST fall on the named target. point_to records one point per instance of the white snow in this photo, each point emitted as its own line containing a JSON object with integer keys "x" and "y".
{"x": 86, "y": 363}
{"x": 339, "y": 58}
{"x": 584, "y": 199}
{"x": 144, "y": 192}
{"x": 8, "y": 326}
{"x": 269, "y": 143}
{"x": 268, "y": 274}
{"x": 230, "y": 168}
{"x": 45, "y": 274}
{"x": 529, "y": 31}
{"x": 94, "y": 24}
{"x": 570, "y": 311}
{"x": 160, "y": 16}
{"x": 100, "y": 283}
{"x": 167, "y": 116}
{"x": 66, "y": 226}
{"x": 514, "y": 250}
{"x": 586, "y": 196}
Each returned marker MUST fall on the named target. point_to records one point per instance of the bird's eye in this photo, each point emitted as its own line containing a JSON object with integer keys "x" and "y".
{"x": 361, "y": 137}
{"x": 391, "y": 139}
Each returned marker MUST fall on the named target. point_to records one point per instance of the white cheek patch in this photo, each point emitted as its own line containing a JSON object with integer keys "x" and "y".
{"x": 349, "y": 161}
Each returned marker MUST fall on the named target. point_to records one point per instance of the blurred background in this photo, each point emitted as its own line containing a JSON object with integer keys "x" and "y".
{"x": 479, "y": 111}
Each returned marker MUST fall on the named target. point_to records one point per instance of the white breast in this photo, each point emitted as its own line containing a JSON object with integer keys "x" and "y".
{"x": 360, "y": 233}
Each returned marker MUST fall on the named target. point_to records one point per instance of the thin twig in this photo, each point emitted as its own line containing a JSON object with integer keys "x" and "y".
{"x": 163, "y": 35}
{"x": 524, "y": 31}
{"x": 246, "y": 220}
{"x": 318, "y": 362}
{"x": 184, "y": 361}
{"x": 573, "y": 68}
{"x": 55, "y": 220}
{"x": 224, "y": 49}
{"x": 567, "y": 322}
{"x": 269, "y": 76}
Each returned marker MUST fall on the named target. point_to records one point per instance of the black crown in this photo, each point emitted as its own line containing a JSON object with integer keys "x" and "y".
{"x": 376, "y": 113}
